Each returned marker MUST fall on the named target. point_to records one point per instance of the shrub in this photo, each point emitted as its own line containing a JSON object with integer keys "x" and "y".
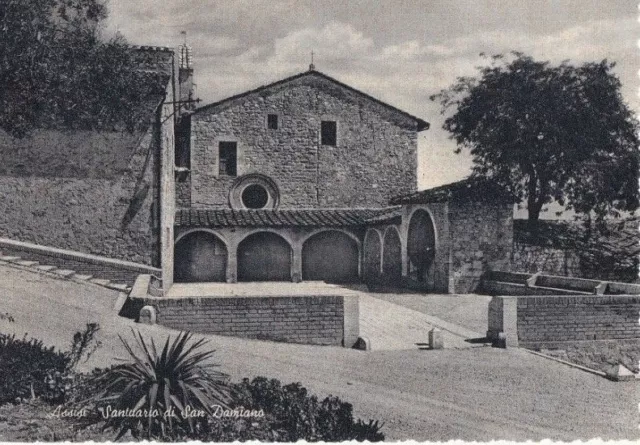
{"x": 24, "y": 365}
{"x": 28, "y": 369}
{"x": 291, "y": 414}
{"x": 163, "y": 388}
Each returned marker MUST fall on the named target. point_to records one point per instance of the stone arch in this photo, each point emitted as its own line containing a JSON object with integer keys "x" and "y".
{"x": 372, "y": 259}
{"x": 392, "y": 256}
{"x": 421, "y": 243}
{"x": 200, "y": 256}
{"x": 332, "y": 256}
{"x": 264, "y": 256}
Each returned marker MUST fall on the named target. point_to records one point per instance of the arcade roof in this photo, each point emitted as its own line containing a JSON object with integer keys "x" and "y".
{"x": 467, "y": 189}
{"x": 282, "y": 218}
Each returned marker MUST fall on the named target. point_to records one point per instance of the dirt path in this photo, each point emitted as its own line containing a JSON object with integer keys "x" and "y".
{"x": 472, "y": 394}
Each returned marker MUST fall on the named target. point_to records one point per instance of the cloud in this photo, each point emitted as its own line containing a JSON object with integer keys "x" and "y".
{"x": 396, "y": 56}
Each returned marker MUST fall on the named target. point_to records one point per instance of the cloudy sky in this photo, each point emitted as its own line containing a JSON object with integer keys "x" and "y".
{"x": 400, "y": 51}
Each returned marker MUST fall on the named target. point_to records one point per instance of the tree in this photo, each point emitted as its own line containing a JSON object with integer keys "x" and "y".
{"x": 548, "y": 133}
{"x": 56, "y": 71}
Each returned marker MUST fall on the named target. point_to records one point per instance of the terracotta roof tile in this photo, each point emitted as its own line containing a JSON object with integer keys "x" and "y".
{"x": 469, "y": 188}
{"x": 283, "y": 218}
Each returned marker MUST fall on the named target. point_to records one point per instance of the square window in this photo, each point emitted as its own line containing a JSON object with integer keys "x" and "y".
{"x": 272, "y": 121}
{"x": 228, "y": 158}
{"x": 328, "y": 130}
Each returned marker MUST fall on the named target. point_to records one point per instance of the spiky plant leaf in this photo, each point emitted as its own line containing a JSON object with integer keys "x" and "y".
{"x": 177, "y": 379}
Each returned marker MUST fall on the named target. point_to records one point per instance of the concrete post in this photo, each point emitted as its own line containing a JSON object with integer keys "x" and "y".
{"x": 351, "y": 320}
{"x": 436, "y": 340}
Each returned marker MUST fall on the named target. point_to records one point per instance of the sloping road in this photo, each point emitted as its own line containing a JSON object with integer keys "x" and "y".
{"x": 471, "y": 394}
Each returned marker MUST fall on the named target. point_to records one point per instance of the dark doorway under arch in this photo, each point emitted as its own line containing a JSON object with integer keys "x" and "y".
{"x": 421, "y": 244}
{"x": 392, "y": 257}
{"x": 264, "y": 256}
{"x": 200, "y": 257}
{"x": 372, "y": 253}
{"x": 330, "y": 256}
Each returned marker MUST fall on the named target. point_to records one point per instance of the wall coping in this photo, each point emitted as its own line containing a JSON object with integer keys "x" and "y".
{"x": 568, "y": 298}
{"x": 79, "y": 256}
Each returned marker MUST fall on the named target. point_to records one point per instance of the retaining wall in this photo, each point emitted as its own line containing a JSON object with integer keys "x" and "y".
{"x": 307, "y": 319}
{"x": 91, "y": 192}
{"x": 99, "y": 267}
{"x": 537, "y": 321}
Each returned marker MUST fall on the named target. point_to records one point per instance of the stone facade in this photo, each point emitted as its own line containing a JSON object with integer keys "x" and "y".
{"x": 375, "y": 156}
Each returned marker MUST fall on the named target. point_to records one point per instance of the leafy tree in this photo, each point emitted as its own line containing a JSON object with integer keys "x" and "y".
{"x": 56, "y": 71}
{"x": 548, "y": 133}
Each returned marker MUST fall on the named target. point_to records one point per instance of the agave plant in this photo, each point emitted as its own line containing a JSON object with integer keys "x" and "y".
{"x": 166, "y": 395}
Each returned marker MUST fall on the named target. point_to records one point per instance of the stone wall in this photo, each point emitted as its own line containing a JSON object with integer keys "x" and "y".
{"x": 536, "y": 321}
{"x": 85, "y": 191}
{"x": 481, "y": 240}
{"x": 300, "y": 319}
{"x": 375, "y": 157}
{"x": 531, "y": 259}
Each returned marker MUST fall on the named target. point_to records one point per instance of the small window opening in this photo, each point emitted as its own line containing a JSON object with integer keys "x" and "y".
{"x": 272, "y": 121}
{"x": 255, "y": 197}
{"x": 328, "y": 133}
{"x": 228, "y": 158}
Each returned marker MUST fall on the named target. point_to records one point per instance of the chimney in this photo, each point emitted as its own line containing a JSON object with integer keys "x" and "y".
{"x": 186, "y": 87}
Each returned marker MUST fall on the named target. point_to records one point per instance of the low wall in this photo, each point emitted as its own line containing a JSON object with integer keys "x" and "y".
{"x": 118, "y": 271}
{"x": 307, "y": 319}
{"x": 537, "y": 321}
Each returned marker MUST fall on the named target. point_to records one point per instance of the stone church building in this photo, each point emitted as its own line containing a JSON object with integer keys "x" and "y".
{"x": 310, "y": 179}
{"x": 304, "y": 179}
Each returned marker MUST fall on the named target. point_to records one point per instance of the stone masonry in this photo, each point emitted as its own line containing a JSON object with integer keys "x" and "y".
{"x": 86, "y": 191}
{"x": 375, "y": 157}
{"x": 481, "y": 239}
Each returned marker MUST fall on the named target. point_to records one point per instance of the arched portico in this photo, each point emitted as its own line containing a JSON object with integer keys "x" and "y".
{"x": 200, "y": 256}
{"x": 392, "y": 256}
{"x": 372, "y": 258}
{"x": 421, "y": 244}
{"x": 332, "y": 256}
{"x": 264, "y": 256}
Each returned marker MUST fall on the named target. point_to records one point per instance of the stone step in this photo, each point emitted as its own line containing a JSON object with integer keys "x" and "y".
{"x": 46, "y": 268}
{"x": 10, "y": 259}
{"x": 100, "y": 281}
{"x": 27, "y": 263}
{"x": 64, "y": 272}
{"x": 82, "y": 277}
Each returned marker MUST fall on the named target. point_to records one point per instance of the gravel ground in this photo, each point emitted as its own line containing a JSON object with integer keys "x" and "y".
{"x": 472, "y": 394}
{"x": 469, "y": 311}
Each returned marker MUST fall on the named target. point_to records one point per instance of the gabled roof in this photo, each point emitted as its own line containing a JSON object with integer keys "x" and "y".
{"x": 467, "y": 189}
{"x": 278, "y": 218}
{"x": 422, "y": 125}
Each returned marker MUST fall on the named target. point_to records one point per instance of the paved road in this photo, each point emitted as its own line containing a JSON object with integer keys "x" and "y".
{"x": 471, "y": 394}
